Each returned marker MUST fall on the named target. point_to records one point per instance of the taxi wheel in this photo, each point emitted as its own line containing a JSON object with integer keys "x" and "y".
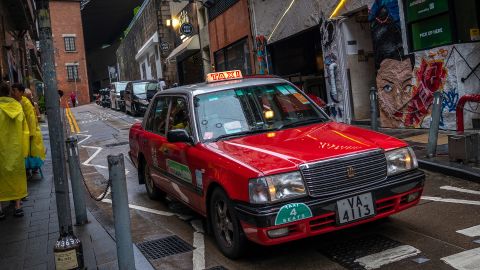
{"x": 153, "y": 192}
{"x": 227, "y": 229}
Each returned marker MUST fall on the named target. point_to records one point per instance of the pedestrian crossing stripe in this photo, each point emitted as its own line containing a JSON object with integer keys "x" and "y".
{"x": 466, "y": 260}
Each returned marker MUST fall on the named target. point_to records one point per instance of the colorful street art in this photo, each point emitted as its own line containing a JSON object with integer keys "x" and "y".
{"x": 261, "y": 42}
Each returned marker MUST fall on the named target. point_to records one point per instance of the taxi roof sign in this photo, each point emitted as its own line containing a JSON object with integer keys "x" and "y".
{"x": 224, "y": 76}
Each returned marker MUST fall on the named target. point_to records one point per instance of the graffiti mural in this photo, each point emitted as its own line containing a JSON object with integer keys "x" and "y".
{"x": 394, "y": 84}
{"x": 261, "y": 43}
{"x": 384, "y": 21}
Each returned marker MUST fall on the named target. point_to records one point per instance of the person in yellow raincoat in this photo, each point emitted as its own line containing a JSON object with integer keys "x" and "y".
{"x": 36, "y": 146}
{"x": 14, "y": 136}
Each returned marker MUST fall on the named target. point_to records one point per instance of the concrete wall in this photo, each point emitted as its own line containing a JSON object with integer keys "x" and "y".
{"x": 66, "y": 19}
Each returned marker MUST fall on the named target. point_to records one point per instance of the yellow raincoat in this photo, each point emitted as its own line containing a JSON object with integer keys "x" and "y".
{"x": 37, "y": 148}
{"x": 14, "y": 136}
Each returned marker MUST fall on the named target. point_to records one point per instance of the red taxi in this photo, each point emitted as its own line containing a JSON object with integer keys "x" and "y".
{"x": 262, "y": 162}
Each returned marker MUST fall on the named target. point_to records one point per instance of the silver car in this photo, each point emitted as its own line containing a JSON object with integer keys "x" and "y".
{"x": 116, "y": 95}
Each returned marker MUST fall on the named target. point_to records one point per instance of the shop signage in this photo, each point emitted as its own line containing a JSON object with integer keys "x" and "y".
{"x": 186, "y": 29}
{"x": 164, "y": 46}
{"x": 419, "y": 9}
{"x": 432, "y": 32}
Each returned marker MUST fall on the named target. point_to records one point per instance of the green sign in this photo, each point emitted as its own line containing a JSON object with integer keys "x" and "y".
{"x": 179, "y": 170}
{"x": 431, "y": 32}
{"x": 419, "y": 9}
{"x": 292, "y": 212}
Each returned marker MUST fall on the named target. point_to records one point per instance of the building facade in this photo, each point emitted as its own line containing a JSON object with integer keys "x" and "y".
{"x": 140, "y": 54}
{"x": 19, "y": 57}
{"x": 231, "y": 40}
{"x": 68, "y": 41}
{"x": 192, "y": 52}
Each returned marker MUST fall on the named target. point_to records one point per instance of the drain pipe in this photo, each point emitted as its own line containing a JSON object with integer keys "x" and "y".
{"x": 333, "y": 83}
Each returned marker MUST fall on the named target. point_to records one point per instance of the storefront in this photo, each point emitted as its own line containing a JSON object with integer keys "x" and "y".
{"x": 231, "y": 45}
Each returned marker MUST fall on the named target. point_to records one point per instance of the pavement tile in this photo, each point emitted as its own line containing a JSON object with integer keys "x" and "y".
{"x": 12, "y": 263}
{"x": 42, "y": 266}
{"x": 108, "y": 266}
{"x": 12, "y": 249}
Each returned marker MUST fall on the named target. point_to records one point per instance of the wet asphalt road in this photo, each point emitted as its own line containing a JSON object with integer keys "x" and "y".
{"x": 428, "y": 230}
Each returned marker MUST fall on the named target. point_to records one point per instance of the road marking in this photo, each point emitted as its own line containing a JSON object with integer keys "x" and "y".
{"x": 471, "y": 232}
{"x": 86, "y": 137}
{"x": 388, "y": 256}
{"x": 466, "y": 260}
{"x": 199, "y": 251}
{"x": 144, "y": 209}
{"x": 438, "y": 199}
{"x": 97, "y": 151}
{"x": 469, "y": 191}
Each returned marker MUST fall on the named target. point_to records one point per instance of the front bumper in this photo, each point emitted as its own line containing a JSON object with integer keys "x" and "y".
{"x": 389, "y": 198}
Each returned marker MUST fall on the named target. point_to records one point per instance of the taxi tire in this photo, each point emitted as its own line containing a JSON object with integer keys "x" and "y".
{"x": 153, "y": 192}
{"x": 239, "y": 239}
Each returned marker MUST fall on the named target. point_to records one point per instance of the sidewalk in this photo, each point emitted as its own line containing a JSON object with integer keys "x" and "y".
{"x": 27, "y": 242}
{"x": 418, "y": 139}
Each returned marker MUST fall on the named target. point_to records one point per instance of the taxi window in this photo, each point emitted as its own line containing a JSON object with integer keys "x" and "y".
{"x": 157, "y": 117}
{"x": 253, "y": 109}
{"x": 179, "y": 118}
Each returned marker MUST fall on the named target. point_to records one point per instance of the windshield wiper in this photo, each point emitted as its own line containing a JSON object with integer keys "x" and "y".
{"x": 238, "y": 134}
{"x": 300, "y": 123}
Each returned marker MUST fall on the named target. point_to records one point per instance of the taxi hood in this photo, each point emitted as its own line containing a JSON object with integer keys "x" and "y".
{"x": 284, "y": 150}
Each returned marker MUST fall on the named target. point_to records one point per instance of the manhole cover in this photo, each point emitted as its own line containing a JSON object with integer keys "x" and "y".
{"x": 346, "y": 252}
{"x": 164, "y": 247}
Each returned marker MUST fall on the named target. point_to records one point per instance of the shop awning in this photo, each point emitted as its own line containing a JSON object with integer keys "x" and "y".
{"x": 190, "y": 44}
{"x": 151, "y": 41}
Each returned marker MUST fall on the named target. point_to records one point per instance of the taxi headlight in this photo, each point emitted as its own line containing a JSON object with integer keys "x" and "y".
{"x": 276, "y": 187}
{"x": 400, "y": 160}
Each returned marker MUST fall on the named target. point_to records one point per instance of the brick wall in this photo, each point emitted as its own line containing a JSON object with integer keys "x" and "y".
{"x": 66, "y": 19}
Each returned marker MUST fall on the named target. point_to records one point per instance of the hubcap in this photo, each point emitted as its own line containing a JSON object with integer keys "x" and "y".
{"x": 224, "y": 223}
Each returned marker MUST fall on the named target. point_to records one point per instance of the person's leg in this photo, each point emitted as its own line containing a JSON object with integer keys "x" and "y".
{"x": 18, "y": 209}
{"x": 2, "y": 214}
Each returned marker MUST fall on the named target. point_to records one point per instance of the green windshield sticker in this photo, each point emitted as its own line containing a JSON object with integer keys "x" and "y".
{"x": 239, "y": 92}
{"x": 179, "y": 170}
{"x": 283, "y": 90}
{"x": 292, "y": 212}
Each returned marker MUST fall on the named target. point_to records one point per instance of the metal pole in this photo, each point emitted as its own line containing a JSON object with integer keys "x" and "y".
{"x": 55, "y": 126}
{"x": 373, "y": 108}
{"x": 121, "y": 213}
{"x": 76, "y": 181}
{"x": 434, "y": 125}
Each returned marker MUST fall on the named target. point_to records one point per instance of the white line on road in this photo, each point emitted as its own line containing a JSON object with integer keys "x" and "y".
{"x": 471, "y": 232}
{"x": 466, "y": 260}
{"x": 97, "y": 150}
{"x": 144, "y": 209}
{"x": 469, "y": 191}
{"x": 86, "y": 137}
{"x": 438, "y": 199}
{"x": 199, "y": 251}
{"x": 379, "y": 259}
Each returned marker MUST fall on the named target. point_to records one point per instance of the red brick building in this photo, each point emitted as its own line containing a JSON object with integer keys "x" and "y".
{"x": 70, "y": 60}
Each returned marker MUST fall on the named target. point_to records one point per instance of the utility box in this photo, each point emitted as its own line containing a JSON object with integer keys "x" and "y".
{"x": 463, "y": 147}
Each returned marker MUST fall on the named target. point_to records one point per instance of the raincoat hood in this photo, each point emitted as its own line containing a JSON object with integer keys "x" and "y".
{"x": 10, "y": 107}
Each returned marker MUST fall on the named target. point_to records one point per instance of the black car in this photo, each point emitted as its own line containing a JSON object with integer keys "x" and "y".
{"x": 116, "y": 95}
{"x": 138, "y": 94}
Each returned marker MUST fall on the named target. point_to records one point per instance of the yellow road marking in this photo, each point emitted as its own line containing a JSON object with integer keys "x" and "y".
{"x": 72, "y": 121}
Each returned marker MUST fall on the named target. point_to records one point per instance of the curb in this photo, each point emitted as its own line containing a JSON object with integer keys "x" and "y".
{"x": 450, "y": 170}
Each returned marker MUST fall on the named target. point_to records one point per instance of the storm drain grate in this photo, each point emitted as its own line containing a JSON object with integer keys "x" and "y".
{"x": 164, "y": 247}
{"x": 219, "y": 267}
{"x": 116, "y": 144}
{"x": 346, "y": 252}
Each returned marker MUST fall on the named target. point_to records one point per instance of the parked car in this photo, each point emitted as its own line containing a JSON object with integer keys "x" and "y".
{"x": 105, "y": 97}
{"x": 263, "y": 162}
{"x": 138, "y": 94}
{"x": 117, "y": 90}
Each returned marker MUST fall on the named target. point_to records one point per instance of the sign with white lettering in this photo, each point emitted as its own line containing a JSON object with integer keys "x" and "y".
{"x": 431, "y": 32}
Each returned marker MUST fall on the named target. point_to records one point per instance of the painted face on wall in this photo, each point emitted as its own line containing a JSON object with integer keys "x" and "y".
{"x": 394, "y": 85}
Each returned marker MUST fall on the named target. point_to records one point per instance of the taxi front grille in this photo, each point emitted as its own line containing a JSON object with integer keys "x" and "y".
{"x": 344, "y": 174}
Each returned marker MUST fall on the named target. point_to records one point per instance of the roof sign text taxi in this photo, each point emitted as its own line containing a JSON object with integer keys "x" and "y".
{"x": 223, "y": 76}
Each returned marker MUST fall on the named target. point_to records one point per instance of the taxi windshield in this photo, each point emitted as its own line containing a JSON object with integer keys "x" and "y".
{"x": 253, "y": 109}
{"x": 120, "y": 87}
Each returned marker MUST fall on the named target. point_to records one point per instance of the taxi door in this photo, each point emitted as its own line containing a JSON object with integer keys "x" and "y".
{"x": 153, "y": 142}
{"x": 180, "y": 165}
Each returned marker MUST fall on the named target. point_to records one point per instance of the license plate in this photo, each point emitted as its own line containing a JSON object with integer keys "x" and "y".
{"x": 354, "y": 208}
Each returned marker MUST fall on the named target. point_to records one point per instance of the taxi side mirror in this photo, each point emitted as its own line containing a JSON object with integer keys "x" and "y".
{"x": 179, "y": 135}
